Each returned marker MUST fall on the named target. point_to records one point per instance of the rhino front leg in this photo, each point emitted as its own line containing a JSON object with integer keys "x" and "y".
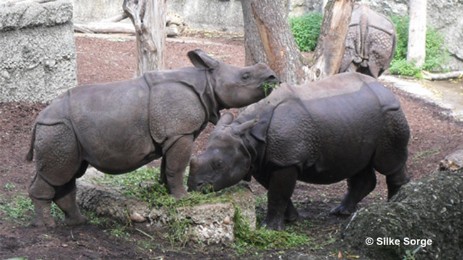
{"x": 280, "y": 189}
{"x": 174, "y": 163}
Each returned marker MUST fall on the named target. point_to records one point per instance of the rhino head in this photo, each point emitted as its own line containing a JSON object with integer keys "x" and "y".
{"x": 235, "y": 86}
{"x": 226, "y": 160}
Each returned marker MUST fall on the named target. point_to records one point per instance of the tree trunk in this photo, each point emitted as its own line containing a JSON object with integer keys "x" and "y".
{"x": 331, "y": 43}
{"x": 149, "y": 19}
{"x": 416, "y": 51}
{"x": 268, "y": 39}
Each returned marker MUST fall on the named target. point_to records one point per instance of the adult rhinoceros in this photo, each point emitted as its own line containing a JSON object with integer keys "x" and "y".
{"x": 370, "y": 42}
{"x": 120, "y": 126}
{"x": 343, "y": 127}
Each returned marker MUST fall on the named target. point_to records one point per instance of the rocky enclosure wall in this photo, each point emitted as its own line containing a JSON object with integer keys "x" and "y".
{"x": 226, "y": 15}
{"x": 37, "y": 50}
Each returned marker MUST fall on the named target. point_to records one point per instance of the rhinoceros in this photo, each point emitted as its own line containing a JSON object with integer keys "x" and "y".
{"x": 120, "y": 126}
{"x": 343, "y": 127}
{"x": 370, "y": 42}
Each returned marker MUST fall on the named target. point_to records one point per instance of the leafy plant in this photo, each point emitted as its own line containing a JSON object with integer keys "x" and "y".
{"x": 306, "y": 30}
{"x": 9, "y": 186}
{"x": 436, "y": 54}
{"x": 405, "y": 68}
{"x": 262, "y": 238}
{"x": 18, "y": 208}
{"x": 268, "y": 87}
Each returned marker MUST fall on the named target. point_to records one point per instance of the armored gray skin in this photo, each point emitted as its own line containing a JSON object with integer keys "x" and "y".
{"x": 343, "y": 127}
{"x": 120, "y": 126}
{"x": 370, "y": 42}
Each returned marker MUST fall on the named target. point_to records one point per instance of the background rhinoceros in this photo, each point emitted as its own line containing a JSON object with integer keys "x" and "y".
{"x": 370, "y": 42}
{"x": 343, "y": 127}
{"x": 120, "y": 126}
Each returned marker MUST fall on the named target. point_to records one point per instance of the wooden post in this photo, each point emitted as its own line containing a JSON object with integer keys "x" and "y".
{"x": 268, "y": 39}
{"x": 149, "y": 20}
{"x": 331, "y": 43}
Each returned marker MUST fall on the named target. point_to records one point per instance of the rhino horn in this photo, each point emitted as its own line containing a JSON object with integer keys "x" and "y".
{"x": 225, "y": 119}
{"x": 200, "y": 59}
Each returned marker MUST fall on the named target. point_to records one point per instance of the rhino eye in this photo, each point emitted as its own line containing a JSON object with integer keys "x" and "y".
{"x": 246, "y": 75}
{"x": 217, "y": 164}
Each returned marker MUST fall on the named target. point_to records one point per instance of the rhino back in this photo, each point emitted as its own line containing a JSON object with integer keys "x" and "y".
{"x": 328, "y": 133}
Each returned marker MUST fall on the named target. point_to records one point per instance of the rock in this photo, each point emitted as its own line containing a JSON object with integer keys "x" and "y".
{"x": 424, "y": 219}
{"x": 174, "y": 25}
{"x": 209, "y": 223}
{"x": 452, "y": 162}
{"x": 38, "y": 53}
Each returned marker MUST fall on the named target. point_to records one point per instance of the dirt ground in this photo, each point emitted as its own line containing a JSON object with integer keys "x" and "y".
{"x": 434, "y": 135}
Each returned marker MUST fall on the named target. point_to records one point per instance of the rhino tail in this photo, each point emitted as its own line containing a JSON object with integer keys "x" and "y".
{"x": 30, "y": 154}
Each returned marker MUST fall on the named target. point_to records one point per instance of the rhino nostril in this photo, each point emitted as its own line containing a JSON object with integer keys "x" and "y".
{"x": 272, "y": 78}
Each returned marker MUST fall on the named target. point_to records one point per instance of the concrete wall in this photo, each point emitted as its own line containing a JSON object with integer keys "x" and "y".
{"x": 37, "y": 53}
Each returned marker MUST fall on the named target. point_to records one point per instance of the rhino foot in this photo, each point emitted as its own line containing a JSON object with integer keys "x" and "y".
{"x": 43, "y": 222}
{"x": 291, "y": 214}
{"x": 273, "y": 225}
{"x": 179, "y": 193}
{"x": 75, "y": 221}
{"x": 342, "y": 210}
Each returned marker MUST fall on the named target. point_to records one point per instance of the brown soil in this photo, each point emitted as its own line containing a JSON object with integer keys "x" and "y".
{"x": 434, "y": 135}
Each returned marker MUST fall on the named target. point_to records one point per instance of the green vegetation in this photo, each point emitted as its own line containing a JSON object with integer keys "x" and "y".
{"x": 436, "y": 55}
{"x": 20, "y": 209}
{"x": 9, "y": 186}
{"x": 143, "y": 184}
{"x": 306, "y": 30}
{"x": 264, "y": 239}
{"x": 268, "y": 87}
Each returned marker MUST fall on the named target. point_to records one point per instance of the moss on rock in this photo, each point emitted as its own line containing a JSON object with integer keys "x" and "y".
{"x": 426, "y": 212}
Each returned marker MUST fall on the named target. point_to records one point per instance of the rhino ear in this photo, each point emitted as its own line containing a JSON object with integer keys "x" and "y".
{"x": 259, "y": 131}
{"x": 201, "y": 60}
{"x": 241, "y": 129}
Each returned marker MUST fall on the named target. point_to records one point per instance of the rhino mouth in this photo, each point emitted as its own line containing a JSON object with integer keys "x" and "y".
{"x": 270, "y": 84}
{"x": 203, "y": 188}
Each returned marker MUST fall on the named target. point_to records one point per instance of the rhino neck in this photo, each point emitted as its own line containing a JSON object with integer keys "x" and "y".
{"x": 210, "y": 100}
{"x": 256, "y": 152}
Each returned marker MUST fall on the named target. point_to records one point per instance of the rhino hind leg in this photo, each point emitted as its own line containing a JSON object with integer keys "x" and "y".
{"x": 65, "y": 198}
{"x": 395, "y": 181}
{"x": 391, "y": 155}
{"x": 41, "y": 194}
{"x": 57, "y": 165}
{"x": 358, "y": 186}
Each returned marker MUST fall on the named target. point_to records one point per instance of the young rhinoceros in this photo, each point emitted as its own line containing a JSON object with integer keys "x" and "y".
{"x": 120, "y": 126}
{"x": 370, "y": 42}
{"x": 343, "y": 127}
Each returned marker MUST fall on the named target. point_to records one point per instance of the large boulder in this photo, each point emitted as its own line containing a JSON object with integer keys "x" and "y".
{"x": 37, "y": 54}
{"x": 425, "y": 219}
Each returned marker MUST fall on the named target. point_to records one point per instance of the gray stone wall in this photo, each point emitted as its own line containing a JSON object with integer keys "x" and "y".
{"x": 37, "y": 54}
